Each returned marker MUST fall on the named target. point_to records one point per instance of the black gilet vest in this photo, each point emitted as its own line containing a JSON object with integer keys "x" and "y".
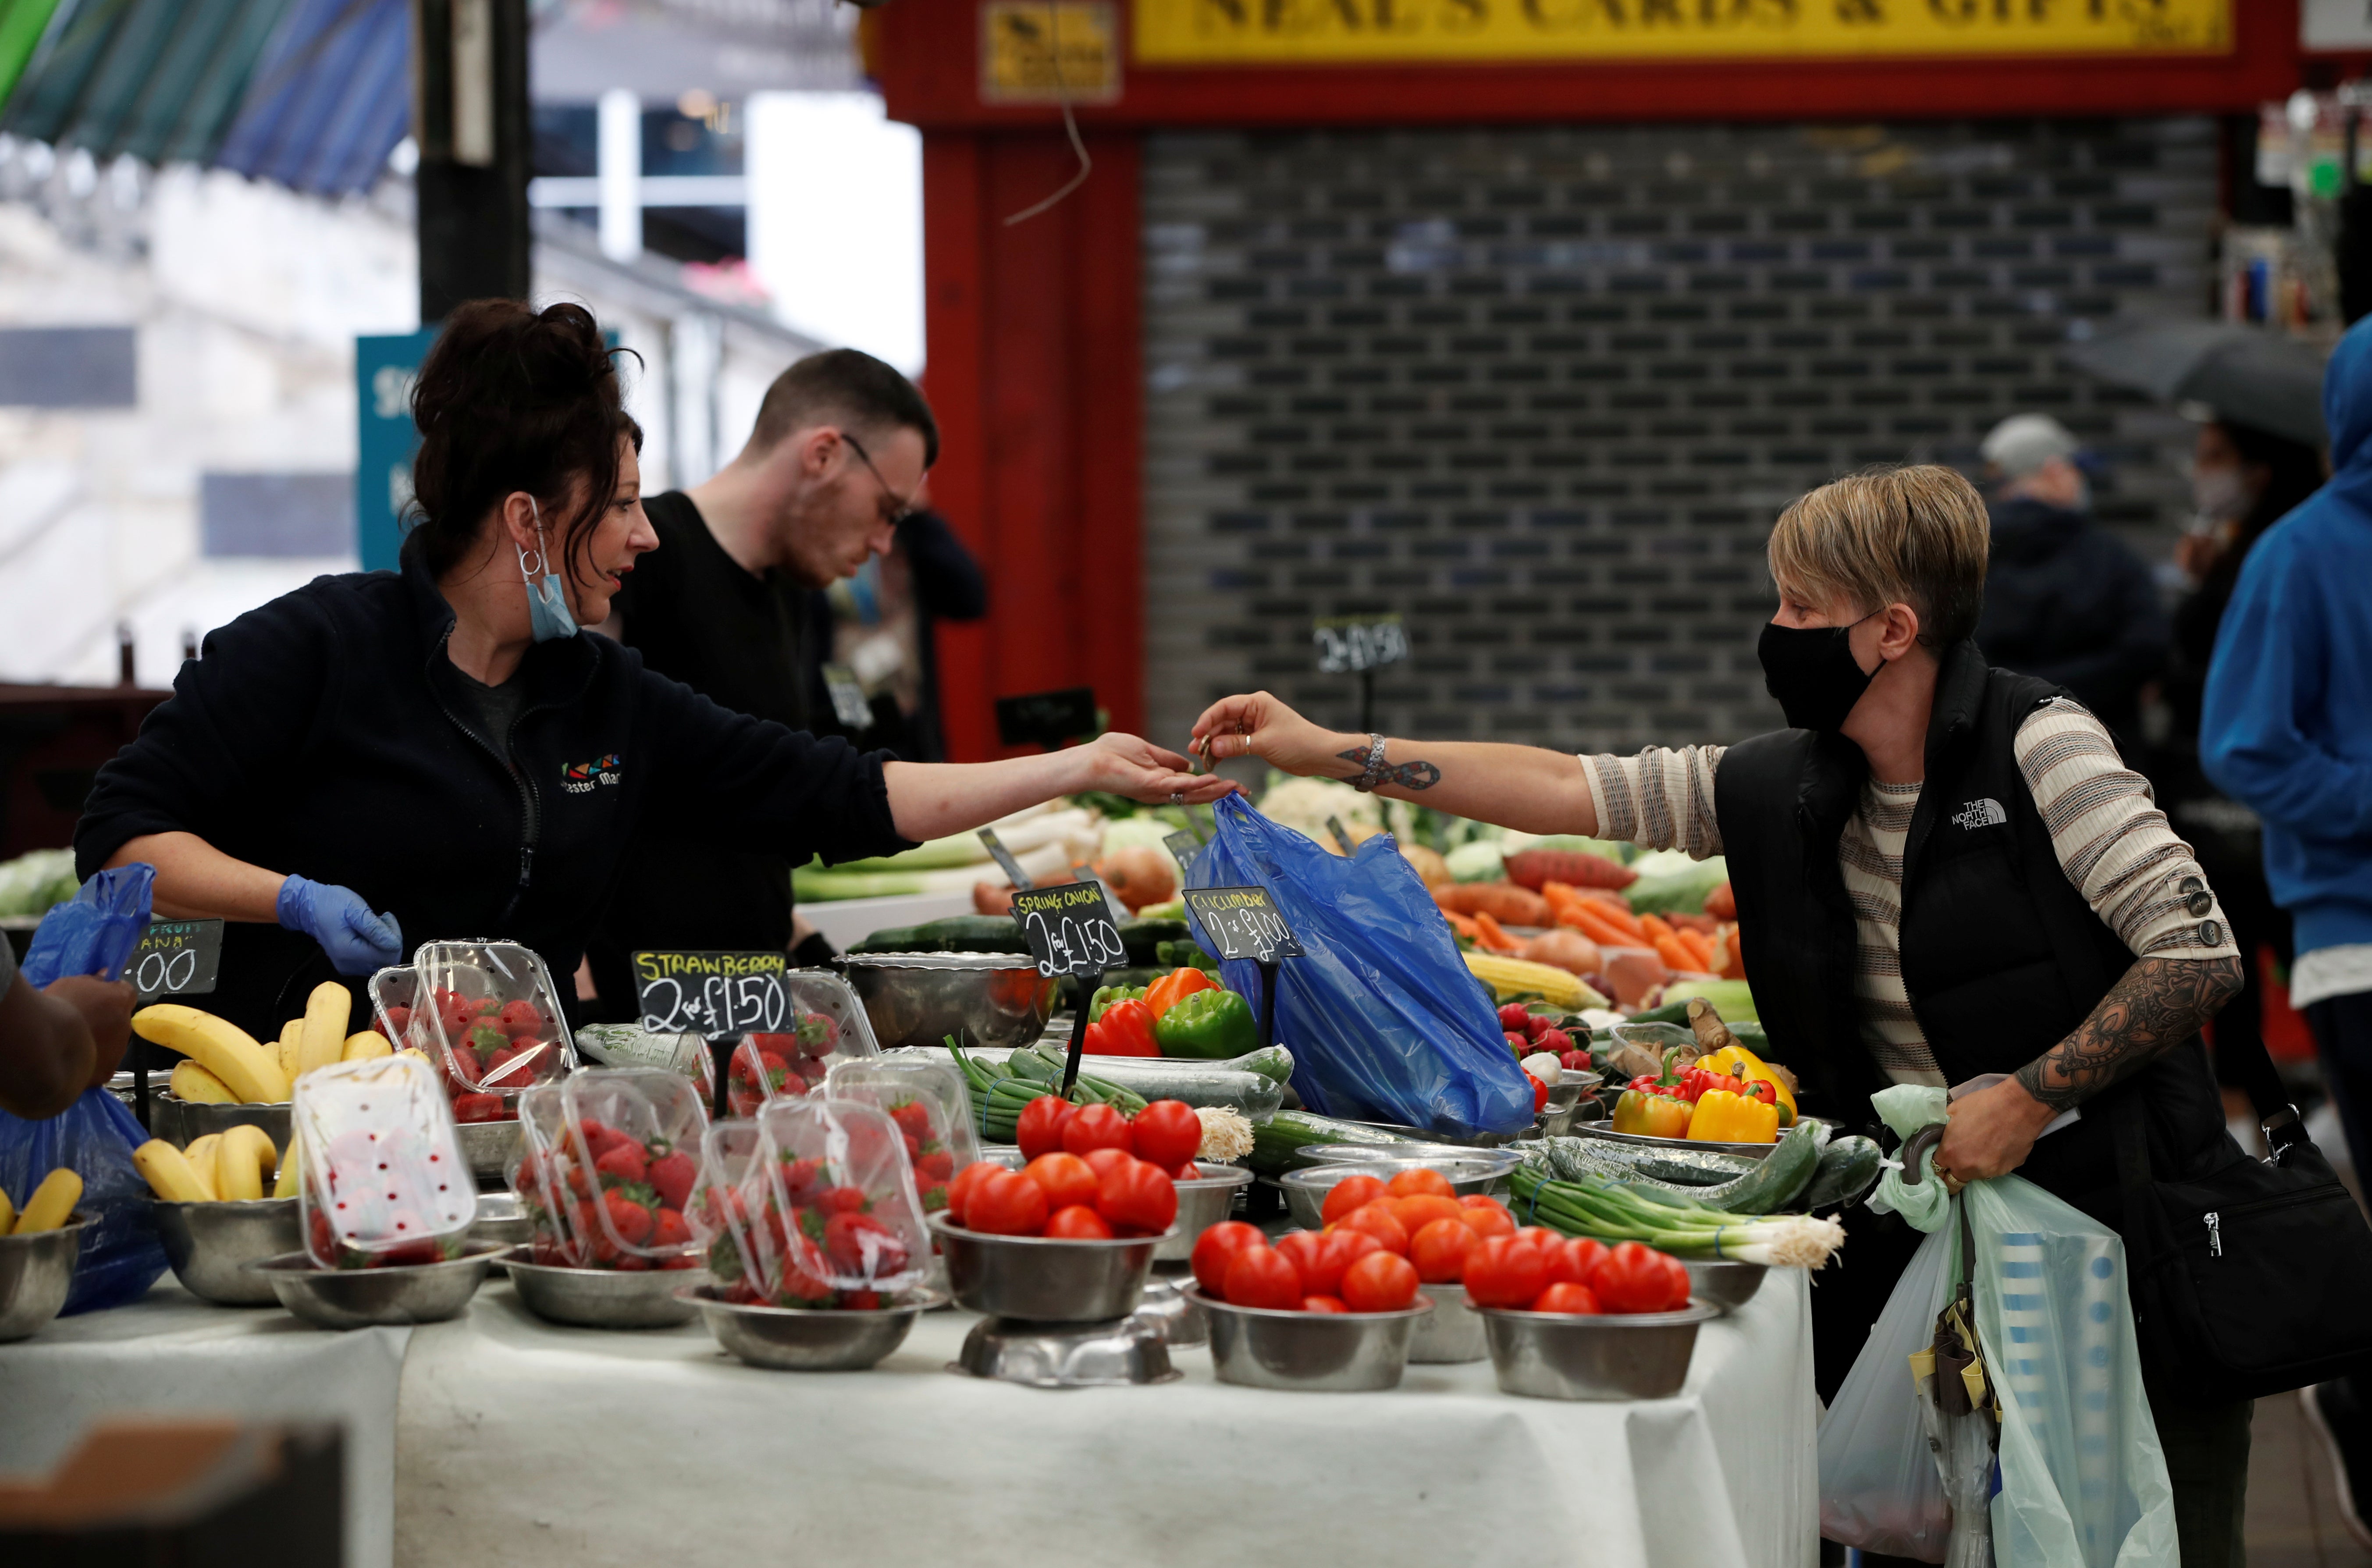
{"x": 2002, "y": 955}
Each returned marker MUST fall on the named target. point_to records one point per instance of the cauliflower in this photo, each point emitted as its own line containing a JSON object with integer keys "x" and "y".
{"x": 1226, "y": 1135}
{"x": 1303, "y": 805}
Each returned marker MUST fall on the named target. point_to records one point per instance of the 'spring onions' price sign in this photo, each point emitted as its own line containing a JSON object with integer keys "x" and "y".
{"x": 175, "y": 958}
{"x": 1069, "y": 928}
{"x": 1242, "y": 923}
{"x": 708, "y": 993}
{"x": 1348, "y": 646}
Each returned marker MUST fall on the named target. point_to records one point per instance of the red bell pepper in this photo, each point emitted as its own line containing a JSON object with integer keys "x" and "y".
{"x": 1126, "y": 1029}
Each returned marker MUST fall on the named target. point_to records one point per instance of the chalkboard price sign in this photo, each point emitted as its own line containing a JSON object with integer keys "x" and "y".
{"x": 1046, "y": 718}
{"x": 712, "y": 993}
{"x": 1243, "y": 922}
{"x": 1182, "y": 845}
{"x": 175, "y": 958}
{"x": 1351, "y": 647}
{"x": 1069, "y": 929}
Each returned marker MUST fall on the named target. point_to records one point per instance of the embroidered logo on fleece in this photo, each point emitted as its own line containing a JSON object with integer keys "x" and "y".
{"x": 582, "y": 778}
{"x": 1984, "y": 813}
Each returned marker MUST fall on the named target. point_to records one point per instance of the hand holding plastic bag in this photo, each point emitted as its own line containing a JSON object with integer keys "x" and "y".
{"x": 1910, "y": 1108}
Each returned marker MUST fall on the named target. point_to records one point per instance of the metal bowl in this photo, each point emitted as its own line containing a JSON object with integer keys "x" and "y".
{"x": 1563, "y": 1355}
{"x": 1475, "y": 1170}
{"x": 501, "y": 1218}
{"x": 1167, "y": 1310}
{"x": 36, "y": 1273}
{"x": 489, "y": 1147}
{"x": 791, "y": 1339}
{"x": 1603, "y": 1130}
{"x": 1057, "y": 1356}
{"x": 981, "y": 998}
{"x": 1200, "y": 1205}
{"x": 211, "y": 1244}
{"x": 1453, "y": 1334}
{"x": 602, "y": 1298}
{"x": 1040, "y": 1280}
{"x": 1556, "y": 1117}
{"x": 361, "y": 1298}
{"x": 1318, "y": 1352}
{"x": 1724, "y": 1282}
{"x": 181, "y": 1122}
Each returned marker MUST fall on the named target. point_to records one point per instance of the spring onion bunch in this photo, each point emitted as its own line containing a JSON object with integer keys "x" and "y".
{"x": 1612, "y": 1211}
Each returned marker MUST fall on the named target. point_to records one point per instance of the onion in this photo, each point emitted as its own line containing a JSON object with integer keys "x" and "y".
{"x": 1566, "y": 949}
{"x": 1431, "y": 869}
{"x": 1139, "y": 875}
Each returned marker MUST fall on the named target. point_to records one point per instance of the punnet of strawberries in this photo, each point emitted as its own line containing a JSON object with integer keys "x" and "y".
{"x": 818, "y": 1211}
{"x": 781, "y": 1065}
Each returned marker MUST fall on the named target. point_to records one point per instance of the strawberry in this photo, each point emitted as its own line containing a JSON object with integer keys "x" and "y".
{"x": 801, "y": 1178}
{"x": 398, "y": 1018}
{"x": 668, "y": 1229}
{"x": 487, "y": 1007}
{"x": 682, "y": 1261}
{"x": 620, "y": 1163}
{"x": 672, "y": 1175}
{"x": 519, "y": 1020}
{"x": 861, "y": 1300}
{"x": 406, "y": 1253}
{"x": 841, "y": 1200}
{"x": 599, "y": 1136}
{"x": 817, "y": 1035}
{"x": 477, "y": 1107}
{"x": 913, "y": 1118}
{"x": 936, "y": 1167}
{"x": 629, "y": 1219}
{"x": 467, "y": 1065}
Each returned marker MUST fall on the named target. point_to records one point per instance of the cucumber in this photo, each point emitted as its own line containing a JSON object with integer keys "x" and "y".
{"x": 1186, "y": 955}
{"x": 1278, "y": 1141}
{"x": 1144, "y": 940}
{"x": 1766, "y": 1189}
{"x": 1847, "y": 1169}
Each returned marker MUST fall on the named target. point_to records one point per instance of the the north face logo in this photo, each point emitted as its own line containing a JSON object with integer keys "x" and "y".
{"x": 1985, "y": 813}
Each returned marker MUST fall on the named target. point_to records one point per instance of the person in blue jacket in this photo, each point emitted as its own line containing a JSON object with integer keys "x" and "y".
{"x": 441, "y": 752}
{"x": 2286, "y": 730}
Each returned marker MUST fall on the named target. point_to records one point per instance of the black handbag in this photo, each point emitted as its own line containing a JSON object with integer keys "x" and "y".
{"x": 2254, "y": 1278}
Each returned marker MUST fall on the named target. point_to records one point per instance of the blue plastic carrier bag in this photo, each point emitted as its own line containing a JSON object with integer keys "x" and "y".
{"x": 93, "y": 932}
{"x": 1385, "y": 1021}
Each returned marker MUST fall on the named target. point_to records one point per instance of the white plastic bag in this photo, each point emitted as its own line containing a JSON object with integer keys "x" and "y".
{"x": 1880, "y": 1489}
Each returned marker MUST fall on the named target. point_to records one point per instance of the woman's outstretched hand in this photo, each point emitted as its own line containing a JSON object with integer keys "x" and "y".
{"x": 1261, "y": 725}
{"x": 1132, "y": 766}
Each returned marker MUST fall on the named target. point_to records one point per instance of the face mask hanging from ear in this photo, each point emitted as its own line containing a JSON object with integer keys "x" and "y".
{"x": 548, "y": 616}
{"x": 1812, "y": 671}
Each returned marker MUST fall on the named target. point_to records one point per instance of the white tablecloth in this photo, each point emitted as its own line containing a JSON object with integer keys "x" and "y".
{"x": 171, "y": 1354}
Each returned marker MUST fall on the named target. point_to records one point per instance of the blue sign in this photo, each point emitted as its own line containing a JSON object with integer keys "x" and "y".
{"x": 385, "y": 368}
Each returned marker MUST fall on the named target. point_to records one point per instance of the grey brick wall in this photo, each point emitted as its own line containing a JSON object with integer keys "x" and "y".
{"x": 1543, "y": 391}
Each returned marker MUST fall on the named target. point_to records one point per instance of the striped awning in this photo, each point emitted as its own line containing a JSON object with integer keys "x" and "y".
{"x": 311, "y": 94}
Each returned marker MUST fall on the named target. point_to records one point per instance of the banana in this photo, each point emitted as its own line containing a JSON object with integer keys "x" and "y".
{"x": 285, "y": 1184}
{"x": 192, "y": 1085}
{"x": 8, "y": 1214}
{"x": 170, "y": 1175}
{"x": 321, "y": 1037}
{"x": 364, "y": 1046}
{"x": 52, "y": 1203}
{"x": 289, "y": 1049}
{"x": 243, "y": 1158}
{"x": 200, "y": 1156}
{"x": 219, "y": 1046}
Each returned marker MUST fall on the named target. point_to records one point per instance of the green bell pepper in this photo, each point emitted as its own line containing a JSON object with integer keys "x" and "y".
{"x": 1107, "y": 994}
{"x": 1215, "y": 1025}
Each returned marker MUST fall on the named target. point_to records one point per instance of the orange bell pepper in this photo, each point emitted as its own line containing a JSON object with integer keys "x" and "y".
{"x": 1175, "y": 986}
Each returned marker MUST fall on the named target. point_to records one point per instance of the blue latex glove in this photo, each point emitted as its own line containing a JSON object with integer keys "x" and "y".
{"x": 356, "y": 940}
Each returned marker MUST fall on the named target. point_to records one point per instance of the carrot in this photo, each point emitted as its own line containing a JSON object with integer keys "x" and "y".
{"x": 1702, "y": 924}
{"x": 1616, "y": 911}
{"x": 1695, "y": 942}
{"x": 1722, "y": 902}
{"x": 1463, "y": 925}
{"x": 1675, "y": 952}
{"x": 1654, "y": 926}
{"x": 1733, "y": 961}
{"x": 1491, "y": 935}
{"x": 1584, "y": 918}
{"x": 1559, "y": 894}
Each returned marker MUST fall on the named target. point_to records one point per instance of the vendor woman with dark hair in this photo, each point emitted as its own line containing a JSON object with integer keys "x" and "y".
{"x": 389, "y": 757}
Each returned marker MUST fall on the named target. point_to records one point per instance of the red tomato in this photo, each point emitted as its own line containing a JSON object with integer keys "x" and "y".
{"x": 1377, "y": 1220}
{"x": 1539, "y": 1095}
{"x": 1379, "y": 1283}
{"x": 1350, "y": 1194}
{"x": 1488, "y": 1218}
{"x": 1415, "y": 1214}
{"x": 1217, "y": 1248}
{"x": 1439, "y": 1251}
{"x": 1540, "y": 1235}
{"x": 1068, "y": 1179}
{"x": 1312, "y": 1256}
{"x": 1190, "y": 1171}
{"x": 1076, "y": 1221}
{"x": 1101, "y": 1161}
{"x": 1480, "y": 1201}
{"x": 1262, "y": 1276}
{"x": 1632, "y": 1278}
{"x": 1566, "y": 1296}
{"x": 1323, "y": 1304}
{"x": 1167, "y": 1132}
{"x": 1502, "y": 1271}
{"x": 966, "y": 1179}
{"x": 1411, "y": 1183}
{"x": 1345, "y": 1247}
{"x": 1587, "y": 1253}
{"x": 1042, "y": 1122}
{"x": 1097, "y": 1127}
{"x": 1006, "y": 1204}
{"x": 1137, "y": 1196}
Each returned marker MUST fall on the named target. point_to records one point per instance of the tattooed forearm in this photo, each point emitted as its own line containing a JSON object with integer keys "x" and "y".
{"x": 1407, "y": 775}
{"x": 2158, "y": 1004}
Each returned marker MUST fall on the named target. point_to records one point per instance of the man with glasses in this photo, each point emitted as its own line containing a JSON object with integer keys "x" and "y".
{"x": 840, "y": 448}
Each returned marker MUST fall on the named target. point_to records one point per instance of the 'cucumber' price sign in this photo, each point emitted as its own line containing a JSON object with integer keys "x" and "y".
{"x": 711, "y": 992}
{"x": 175, "y": 958}
{"x": 1243, "y": 922}
{"x": 1069, "y": 928}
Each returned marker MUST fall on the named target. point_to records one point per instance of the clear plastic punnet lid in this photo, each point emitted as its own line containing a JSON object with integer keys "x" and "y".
{"x": 841, "y": 1224}
{"x": 932, "y": 1107}
{"x": 494, "y": 1018}
{"x": 823, "y": 1024}
{"x": 607, "y": 1166}
{"x": 382, "y": 1180}
{"x": 729, "y": 1190}
{"x": 392, "y": 1014}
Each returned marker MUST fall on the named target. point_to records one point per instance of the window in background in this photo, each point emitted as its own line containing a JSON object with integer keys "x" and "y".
{"x": 69, "y": 367}
{"x": 275, "y": 515}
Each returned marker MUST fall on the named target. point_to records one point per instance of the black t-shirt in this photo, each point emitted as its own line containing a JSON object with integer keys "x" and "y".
{"x": 696, "y": 615}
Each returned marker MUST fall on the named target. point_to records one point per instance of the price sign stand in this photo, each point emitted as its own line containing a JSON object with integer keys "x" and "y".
{"x": 1004, "y": 858}
{"x": 1244, "y": 923}
{"x": 173, "y": 958}
{"x": 720, "y": 1057}
{"x": 1071, "y": 932}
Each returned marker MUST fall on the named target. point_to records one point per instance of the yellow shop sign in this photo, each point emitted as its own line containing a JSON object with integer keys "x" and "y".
{"x": 1306, "y": 33}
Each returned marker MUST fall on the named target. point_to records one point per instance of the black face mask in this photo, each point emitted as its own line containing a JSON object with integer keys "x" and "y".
{"x": 1811, "y": 671}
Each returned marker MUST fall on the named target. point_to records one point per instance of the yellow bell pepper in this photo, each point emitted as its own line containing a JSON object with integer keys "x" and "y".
{"x": 1651, "y": 1115}
{"x": 1736, "y": 1061}
{"x": 1723, "y": 1117}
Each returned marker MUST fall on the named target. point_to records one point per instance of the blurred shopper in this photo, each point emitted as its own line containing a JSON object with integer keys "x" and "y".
{"x": 58, "y": 1041}
{"x": 825, "y": 483}
{"x": 2243, "y": 481}
{"x": 881, "y": 626}
{"x": 2285, "y": 728}
{"x": 2065, "y": 600}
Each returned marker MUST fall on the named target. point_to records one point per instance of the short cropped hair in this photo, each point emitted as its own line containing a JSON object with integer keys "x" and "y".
{"x": 1916, "y": 534}
{"x": 848, "y": 387}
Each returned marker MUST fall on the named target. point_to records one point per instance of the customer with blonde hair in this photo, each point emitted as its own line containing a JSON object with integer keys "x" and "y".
{"x": 1943, "y": 871}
